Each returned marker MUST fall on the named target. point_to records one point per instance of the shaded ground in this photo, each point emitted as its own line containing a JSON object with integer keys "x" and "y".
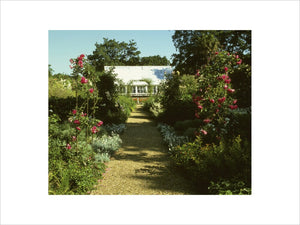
{"x": 141, "y": 166}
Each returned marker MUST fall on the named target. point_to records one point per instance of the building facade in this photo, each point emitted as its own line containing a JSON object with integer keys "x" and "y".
{"x": 140, "y": 81}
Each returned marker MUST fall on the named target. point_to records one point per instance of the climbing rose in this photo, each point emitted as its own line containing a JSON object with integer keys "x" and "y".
{"x": 71, "y": 67}
{"x": 82, "y": 56}
{"x": 200, "y": 107}
{"x": 78, "y": 128}
{"x": 91, "y": 90}
{"x": 233, "y": 106}
{"x": 80, "y": 63}
{"x": 226, "y": 69}
{"x": 235, "y": 101}
{"x": 227, "y": 81}
{"x": 237, "y": 56}
{"x": 230, "y": 90}
{"x": 203, "y": 132}
{"x": 94, "y": 129}
{"x": 83, "y": 80}
{"x": 212, "y": 100}
{"x": 73, "y": 138}
{"x": 221, "y": 100}
{"x": 76, "y": 122}
{"x": 225, "y": 87}
{"x": 71, "y": 61}
{"x": 83, "y": 114}
{"x": 100, "y": 123}
{"x": 196, "y": 114}
{"x": 74, "y": 111}
{"x": 68, "y": 146}
{"x": 207, "y": 120}
{"x": 239, "y": 62}
{"x": 216, "y": 53}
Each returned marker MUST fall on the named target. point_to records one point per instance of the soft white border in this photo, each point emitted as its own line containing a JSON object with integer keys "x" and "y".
{"x": 24, "y": 125}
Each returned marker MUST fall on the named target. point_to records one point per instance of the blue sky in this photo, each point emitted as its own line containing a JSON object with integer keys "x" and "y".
{"x": 66, "y": 44}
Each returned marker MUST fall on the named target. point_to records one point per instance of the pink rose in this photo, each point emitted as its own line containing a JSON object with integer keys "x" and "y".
{"x": 225, "y": 87}
{"x": 212, "y": 100}
{"x": 71, "y": 61}
{"x": 94, "y": 129}
{"x": 74, "y": 111}
{"x": 239, "y": 62}
{"x": 235, "y": 101}
{"x": 207, "y": 120}
{"x": 68, "y": 146}
{"x": 226, "y": 69}
{"x": 83, "y": 80}
{"x": 91, "y": 90}
{"x": 100, "y": 123}
{"x": 227, "y": 81}
{"x": 231, "y": 90}
{"x": 221, "y": 100}
{"x": 71, "y": 67}
{"x": 73, "y": 138}
{"x": 203, "y": 132}
{"x": 77, "y": 122}
{"x": 200, "y": 107}
{"x": 78, "y": 128}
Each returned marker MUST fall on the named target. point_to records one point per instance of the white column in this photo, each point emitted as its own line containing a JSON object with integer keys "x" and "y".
{"x": 125, "y": 89}
{"x": 136, "y": 91}
{"x": 146, "y": 89}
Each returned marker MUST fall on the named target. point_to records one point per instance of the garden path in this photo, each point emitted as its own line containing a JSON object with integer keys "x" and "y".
{"x": 142, "y": 165}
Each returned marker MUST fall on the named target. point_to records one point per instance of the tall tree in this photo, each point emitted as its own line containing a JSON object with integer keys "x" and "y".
{"x": 155, "y": 60}
{"x": 194, "y": 49}
{"x": 114, "y": 53}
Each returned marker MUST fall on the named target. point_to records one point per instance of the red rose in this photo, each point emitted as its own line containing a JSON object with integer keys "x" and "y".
{"x": 91, "y": 90}
{"x": 212, "y": 100}
{"x": 225, "y": 87}
{"x": 230, "y": 90}
{"x": 78, "y": 128}
{"x": 235, "y": 101}
{"x": 77, "y": 122}
{"x": 100, "y": 123}
{"x": 68, "y": 146}
{"x": 239, "y": 62}
{"x": 226, "y": 69}
{"x": 74, "y": 111}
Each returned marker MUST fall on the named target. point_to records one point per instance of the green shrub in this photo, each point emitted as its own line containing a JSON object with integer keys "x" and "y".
{"x": 71, "y": 170}
{"x": 204, "y": 163}
{"x": 153, "y": 106}
{"x": 229, "y": 187}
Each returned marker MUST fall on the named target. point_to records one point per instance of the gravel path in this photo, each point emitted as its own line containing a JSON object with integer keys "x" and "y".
{"x": 141, "y": 166}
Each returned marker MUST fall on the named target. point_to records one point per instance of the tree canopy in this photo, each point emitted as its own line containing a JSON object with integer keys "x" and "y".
{"x": 115, "y": 53}
{"x": 196, "y": 47}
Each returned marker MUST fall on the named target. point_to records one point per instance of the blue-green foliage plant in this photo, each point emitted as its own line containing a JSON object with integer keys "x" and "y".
{"x": 115, "y": 128}
{"x": 107, "y": 144}
{"x": 170, "y": 138}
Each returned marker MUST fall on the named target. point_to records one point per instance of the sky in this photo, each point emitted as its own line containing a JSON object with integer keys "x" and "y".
{"x": 66, "y": 44}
